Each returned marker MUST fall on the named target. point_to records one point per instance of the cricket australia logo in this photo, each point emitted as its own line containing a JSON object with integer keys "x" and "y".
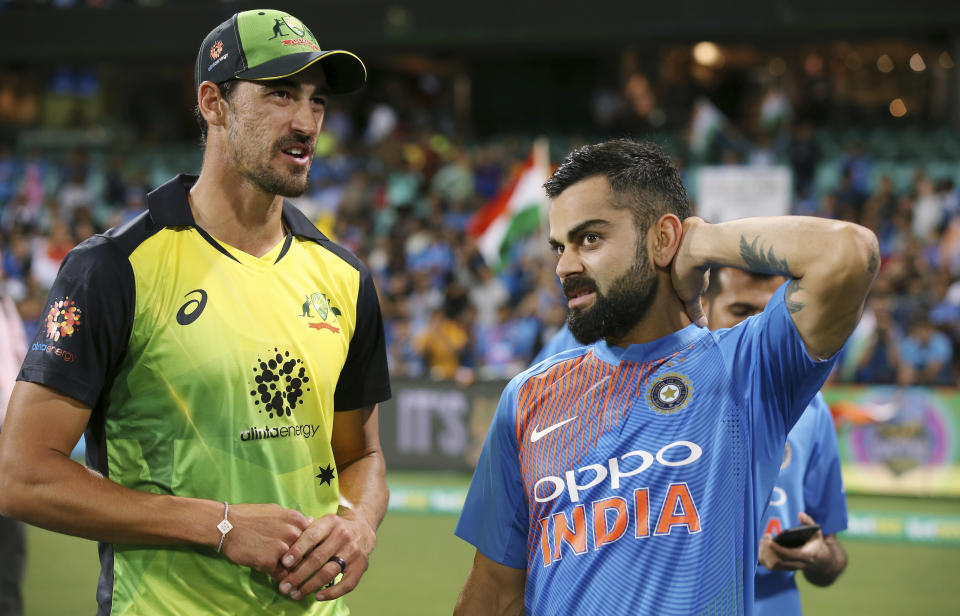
{"x": 323, "y": 311}
{"x": 670, "y": 394}
{"x": 295, "y": 25}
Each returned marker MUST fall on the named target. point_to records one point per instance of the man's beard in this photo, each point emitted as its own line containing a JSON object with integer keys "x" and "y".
{"x": 615, "y": 313}
{"x": 261, "y": 174}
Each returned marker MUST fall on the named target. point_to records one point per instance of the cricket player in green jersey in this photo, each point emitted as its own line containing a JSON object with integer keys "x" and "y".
{"x": 224, "y": 360}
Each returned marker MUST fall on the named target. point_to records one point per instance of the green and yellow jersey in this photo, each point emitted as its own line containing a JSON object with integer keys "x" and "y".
{"x": 213, "y": 374}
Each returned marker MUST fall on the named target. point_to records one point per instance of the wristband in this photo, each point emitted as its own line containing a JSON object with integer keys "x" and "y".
{"x": 225, "y": 526}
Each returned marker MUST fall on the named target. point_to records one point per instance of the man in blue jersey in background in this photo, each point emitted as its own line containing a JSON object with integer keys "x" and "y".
{"x": 630, "y": 476}
{"x": 809, "y": 489}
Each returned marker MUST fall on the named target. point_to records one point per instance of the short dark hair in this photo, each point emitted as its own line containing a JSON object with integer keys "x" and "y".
{"x": 641, "y": 175}
{"x": 226, "y": 91}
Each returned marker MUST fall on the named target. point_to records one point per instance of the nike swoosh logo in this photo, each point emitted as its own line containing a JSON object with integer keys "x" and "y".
{"x": 539, "y": 434}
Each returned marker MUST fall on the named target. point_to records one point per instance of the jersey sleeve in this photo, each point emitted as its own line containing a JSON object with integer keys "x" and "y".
{"x": 86, "y": 323}
{"x": 773, "y": 372}
{"x": 823, "y": 493}
{"x": 364, "y": 380}
{"x": 494, "y": 518}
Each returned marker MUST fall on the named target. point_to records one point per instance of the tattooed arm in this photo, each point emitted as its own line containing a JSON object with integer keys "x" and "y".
{"x": 832, "y": 265}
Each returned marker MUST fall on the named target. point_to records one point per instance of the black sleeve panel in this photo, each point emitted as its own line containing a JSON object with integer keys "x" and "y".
{"x": 86, "y": 324}
{"x": 364, "y": 380}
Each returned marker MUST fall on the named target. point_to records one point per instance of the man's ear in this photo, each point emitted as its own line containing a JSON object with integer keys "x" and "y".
{"x": 664, "y": 239}
{"x": 211, "y": 103}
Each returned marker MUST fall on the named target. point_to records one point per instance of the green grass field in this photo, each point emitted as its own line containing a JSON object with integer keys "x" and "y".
{"x": 419, "y": 566}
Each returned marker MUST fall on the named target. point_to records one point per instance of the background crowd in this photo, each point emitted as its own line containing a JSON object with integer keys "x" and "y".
{"x": 398, "y": 181}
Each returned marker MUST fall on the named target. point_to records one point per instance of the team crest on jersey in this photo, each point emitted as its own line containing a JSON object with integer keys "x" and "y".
{"x": 324, "y": 315}
{"x": 787, "y": 456}
{"x": 670, "y": 393}
{"x": 63, "y": 319}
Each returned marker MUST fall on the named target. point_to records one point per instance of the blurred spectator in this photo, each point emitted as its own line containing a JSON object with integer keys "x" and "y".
{"x": 929, "y": 211}
{"x": 74, "y": 193}
{"x": 879, "y": 359}
{"x": 454, "y": 181}
{"x": 848, "y": 198}
{"x": 440, "y": 344}
{"x": 804, "y": 158}
{"x": 49, "y": 252}
{"x": 487, "y": 295}
{"x": 925, "y": 355}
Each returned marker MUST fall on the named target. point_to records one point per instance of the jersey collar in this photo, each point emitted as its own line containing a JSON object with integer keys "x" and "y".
{"x": 661, "y": 347}
{"x": 169, "y": 207}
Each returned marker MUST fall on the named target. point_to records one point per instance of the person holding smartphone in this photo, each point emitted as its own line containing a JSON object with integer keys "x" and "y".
{"x": 809, "y": 490}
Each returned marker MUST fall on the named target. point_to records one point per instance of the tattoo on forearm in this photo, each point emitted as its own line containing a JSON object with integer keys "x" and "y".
{"x": 874, "y": 263}
{"x": 757, "y": 261}
{"x": 793, "y": 305}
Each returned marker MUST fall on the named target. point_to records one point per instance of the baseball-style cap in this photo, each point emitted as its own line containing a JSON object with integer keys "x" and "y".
{"x": 268, "y": 44}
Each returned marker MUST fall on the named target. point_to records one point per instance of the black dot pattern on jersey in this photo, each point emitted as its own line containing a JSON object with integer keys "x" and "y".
{"x": 279, "y": 382}
{"x": 733, "y": 427}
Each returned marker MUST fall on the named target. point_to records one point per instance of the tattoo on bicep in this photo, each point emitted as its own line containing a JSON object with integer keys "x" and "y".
{"x": 793, "y": 305}
{"x": 757, "y": 261}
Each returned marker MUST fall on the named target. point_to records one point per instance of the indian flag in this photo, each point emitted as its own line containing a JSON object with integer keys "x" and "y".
{"x": 516, "y": 211}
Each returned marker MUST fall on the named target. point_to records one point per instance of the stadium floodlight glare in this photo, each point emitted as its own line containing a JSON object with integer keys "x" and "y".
{"x": 884, "y": 64}
{"x": 898, "y": 108}
{"x": 917, "y": 63}
{"x": 706, "y": 53}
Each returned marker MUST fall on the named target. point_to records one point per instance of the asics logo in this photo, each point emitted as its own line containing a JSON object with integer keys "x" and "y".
{"x": 539, "y": 434}
{"x": 190, "y": 311}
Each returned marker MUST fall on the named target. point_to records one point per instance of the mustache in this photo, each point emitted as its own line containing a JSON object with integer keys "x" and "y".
{"x": 578, "y": 284}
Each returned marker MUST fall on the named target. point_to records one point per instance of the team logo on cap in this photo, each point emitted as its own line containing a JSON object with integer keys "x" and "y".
{"x": 216, "y": 49}
{"x": 670, "y": 393}
{"x": 295, "y": 25}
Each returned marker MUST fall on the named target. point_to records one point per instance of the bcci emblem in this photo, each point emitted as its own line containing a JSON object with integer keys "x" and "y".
{"x": 295, "y": 25}
{"x": 670, "y": 394}
{"x": 216, "y": 49}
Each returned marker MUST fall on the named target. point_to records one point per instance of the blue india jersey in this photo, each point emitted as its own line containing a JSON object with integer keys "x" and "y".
{"x": 809, "y": 481}
{"x": 634, "y": 481}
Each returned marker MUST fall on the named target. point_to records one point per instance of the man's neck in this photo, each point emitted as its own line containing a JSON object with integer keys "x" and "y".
{"x": 229, "y": 207}
{"x": 665, "y": 316}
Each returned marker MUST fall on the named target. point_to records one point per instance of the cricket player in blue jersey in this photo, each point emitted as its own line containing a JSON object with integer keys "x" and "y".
{"x": 630, "y": 476}
{"x": 809, "y": 489}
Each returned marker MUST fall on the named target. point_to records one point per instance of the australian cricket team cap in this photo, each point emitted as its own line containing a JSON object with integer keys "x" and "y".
{"x": 266, "y": 44}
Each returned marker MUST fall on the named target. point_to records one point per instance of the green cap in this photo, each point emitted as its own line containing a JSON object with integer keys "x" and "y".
{"x": 268, "y": 44}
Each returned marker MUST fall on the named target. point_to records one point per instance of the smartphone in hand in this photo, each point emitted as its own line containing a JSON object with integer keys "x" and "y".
{"x": 796, "y": 536}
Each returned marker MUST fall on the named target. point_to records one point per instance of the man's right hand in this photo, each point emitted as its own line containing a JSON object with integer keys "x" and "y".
{"x": 261, "y": 534}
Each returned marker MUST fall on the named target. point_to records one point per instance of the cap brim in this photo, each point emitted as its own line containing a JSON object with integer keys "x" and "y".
{"x": 344, "y": 71}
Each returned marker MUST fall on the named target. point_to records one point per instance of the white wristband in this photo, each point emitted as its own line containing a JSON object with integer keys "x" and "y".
{"x": 225, "y": 526}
